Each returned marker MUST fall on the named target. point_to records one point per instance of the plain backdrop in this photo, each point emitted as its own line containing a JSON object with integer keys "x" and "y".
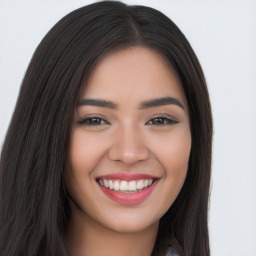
{"x": 223, "y": 35}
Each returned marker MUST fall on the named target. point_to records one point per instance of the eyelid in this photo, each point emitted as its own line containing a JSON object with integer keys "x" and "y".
{"x": 82, "y": 121}
{"x": 170, "y": 120}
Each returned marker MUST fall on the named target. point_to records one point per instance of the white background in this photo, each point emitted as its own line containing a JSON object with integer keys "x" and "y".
{"x": 223, "y": 35}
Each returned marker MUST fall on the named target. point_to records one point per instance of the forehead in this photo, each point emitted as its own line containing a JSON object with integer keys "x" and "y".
{"x": 133, "y": 74}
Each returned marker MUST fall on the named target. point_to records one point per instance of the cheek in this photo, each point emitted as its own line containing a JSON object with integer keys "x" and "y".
{"x": 177, "y": 158}
{"x": 173, "y": 150}
{"x": 85, "y": 151}
{"x": 173, "y": 153}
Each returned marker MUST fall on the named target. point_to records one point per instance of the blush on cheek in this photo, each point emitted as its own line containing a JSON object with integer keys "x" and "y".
{"x": 85, "y": 151}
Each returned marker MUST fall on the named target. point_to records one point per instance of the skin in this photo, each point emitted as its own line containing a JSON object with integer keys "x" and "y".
{"x": 126, "y": 139}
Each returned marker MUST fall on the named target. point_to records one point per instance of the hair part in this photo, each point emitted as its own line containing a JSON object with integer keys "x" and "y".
{"x": 34, "y": 210}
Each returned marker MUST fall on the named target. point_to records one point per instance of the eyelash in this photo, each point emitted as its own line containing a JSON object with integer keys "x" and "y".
{"x": 86, "y": 121}
{"x": 98, "y": 121}
{"x": 163, "y": 121}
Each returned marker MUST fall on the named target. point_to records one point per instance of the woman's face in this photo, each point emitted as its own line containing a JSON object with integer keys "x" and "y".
{"x": 130, "y": 142}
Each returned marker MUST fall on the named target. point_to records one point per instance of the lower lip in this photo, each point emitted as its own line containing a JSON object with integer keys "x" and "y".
{"x": 128, "y": 198}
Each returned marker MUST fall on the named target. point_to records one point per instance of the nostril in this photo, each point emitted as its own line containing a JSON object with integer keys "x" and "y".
{"x": 128, "y": 157}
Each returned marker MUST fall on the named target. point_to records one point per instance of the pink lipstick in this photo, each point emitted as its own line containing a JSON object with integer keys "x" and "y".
{"x": 127, "y": 188}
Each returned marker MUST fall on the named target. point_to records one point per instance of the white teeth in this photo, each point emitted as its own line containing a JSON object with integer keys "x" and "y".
{"x": 116, "y": 185}
{"x": 105, "y": 182}
{"x": 110, "y": 184}
{"x": 126, "y": 186}
{"x": 132, "y": 185}
{"x": 140, "y": 184}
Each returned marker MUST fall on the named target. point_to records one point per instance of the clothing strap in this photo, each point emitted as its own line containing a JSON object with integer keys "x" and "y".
{"x": 170, "y": 252}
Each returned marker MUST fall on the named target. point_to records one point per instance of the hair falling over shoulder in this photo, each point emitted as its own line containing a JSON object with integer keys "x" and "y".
{"x": 34, "y": 210}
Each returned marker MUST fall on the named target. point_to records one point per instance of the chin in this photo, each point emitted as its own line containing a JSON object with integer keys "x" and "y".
{"x": 132, "y": 227}
{"x": 130, "y": 220}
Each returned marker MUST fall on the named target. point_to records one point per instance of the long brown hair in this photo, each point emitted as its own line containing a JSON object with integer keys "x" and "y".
{"x": 34, "y": 211}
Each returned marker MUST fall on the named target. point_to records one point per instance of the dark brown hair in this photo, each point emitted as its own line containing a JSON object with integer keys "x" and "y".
{"x": 34, "y": 211}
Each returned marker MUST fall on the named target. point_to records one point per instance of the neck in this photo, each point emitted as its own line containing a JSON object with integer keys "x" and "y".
{"x": 87, "y": 237}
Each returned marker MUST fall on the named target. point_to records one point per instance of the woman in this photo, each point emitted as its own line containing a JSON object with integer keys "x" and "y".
{"x": 109, "y": 147}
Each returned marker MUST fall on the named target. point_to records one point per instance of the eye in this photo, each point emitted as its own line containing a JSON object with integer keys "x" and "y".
{"x": 92, "y": 121}
{"x": 161, "y": 121}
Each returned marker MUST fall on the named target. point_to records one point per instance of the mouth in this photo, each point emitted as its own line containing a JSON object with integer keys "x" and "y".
{"x": 127, "y": 188}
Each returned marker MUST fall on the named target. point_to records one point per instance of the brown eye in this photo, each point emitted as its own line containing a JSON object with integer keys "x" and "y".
{"x": 161, "y": 121}
{"x": 92, "y": 121}
{"x": 158, "y": 121}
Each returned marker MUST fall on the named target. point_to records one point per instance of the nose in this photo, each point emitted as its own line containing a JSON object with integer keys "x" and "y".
{"x": 129, "y": 146}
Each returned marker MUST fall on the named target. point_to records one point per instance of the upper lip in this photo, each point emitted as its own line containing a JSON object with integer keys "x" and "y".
{"x": 127, "y": 176}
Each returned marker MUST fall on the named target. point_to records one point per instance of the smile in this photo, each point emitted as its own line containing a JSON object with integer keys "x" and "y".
{"x": 127, "y": 188}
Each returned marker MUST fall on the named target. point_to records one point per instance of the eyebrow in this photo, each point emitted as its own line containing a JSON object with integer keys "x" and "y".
{"x": 98, "y": 103}
{"x": 161, "y": 102}
{"x": 144, "y": 105}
